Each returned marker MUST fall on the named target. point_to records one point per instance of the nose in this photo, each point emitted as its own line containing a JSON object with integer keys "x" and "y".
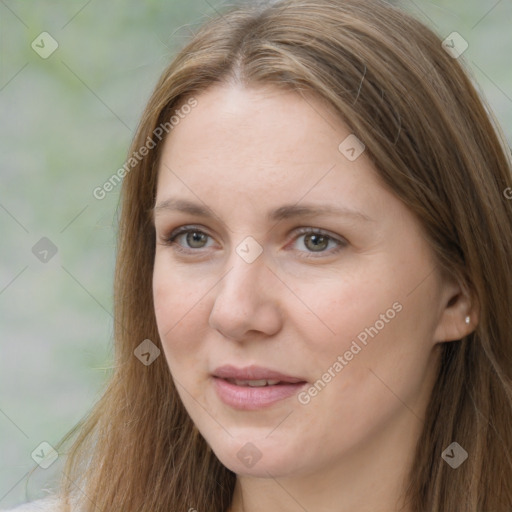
{"x": 247, "y": 301}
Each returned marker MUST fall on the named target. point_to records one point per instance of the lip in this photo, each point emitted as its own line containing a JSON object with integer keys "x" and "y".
{"x": 254, "y": 372}
{"x": 253, "y": 398}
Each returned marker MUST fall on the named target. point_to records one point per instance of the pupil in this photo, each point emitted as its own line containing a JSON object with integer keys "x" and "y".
{"x": 194, "y": 237}
{"x": 319, "y": 241}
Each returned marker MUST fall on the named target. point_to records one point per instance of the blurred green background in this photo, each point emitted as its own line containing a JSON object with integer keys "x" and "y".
{"x": 66, "y": 124}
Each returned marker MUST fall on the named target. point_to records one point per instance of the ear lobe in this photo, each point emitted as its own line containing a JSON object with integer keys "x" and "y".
{"x": 459, "y": 305}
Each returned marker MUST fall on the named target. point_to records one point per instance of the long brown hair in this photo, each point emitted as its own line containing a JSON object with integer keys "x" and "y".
{"x": 433, "y": 143}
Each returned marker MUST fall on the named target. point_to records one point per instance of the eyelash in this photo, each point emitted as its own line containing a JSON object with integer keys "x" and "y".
{"x": 170, "y": 240}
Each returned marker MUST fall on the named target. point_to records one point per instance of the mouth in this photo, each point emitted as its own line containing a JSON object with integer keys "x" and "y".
{"x": 254, "y": 387}
{"x": 255, "y": 383}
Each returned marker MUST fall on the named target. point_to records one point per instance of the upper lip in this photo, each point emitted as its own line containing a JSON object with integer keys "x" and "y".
{"x": 254, "y": 372}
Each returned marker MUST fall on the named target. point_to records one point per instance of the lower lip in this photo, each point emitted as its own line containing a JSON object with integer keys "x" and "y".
{"x": 251, "y": 398}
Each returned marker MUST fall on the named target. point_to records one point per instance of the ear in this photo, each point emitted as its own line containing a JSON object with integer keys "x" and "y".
{"x": 458, "y": 304}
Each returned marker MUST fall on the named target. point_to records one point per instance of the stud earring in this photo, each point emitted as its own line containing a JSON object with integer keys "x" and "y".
{"x": 468, "y": 319}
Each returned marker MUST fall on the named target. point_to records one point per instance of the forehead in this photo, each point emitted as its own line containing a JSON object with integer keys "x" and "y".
{"x": 265, "y": 145}
{"x": 231, "y": 114}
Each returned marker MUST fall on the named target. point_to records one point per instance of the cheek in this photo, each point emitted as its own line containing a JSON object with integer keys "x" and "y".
{"x": 176, "y": 294}
{"x": 386, "y": 364}
{"x": 179, "y": 311}
{"x": 336, "y": 311}
{"x": 361, "y": 387}
{"x": 370, "y": 332}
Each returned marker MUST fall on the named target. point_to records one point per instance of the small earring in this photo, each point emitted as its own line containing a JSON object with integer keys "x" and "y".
{"x": 468, "y": 319}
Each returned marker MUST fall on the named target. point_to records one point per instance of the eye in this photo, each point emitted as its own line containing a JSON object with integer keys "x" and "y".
{"x": 192, "y": 239}
{"x": 317, "y": 241}
{"x": 189, "y": 239}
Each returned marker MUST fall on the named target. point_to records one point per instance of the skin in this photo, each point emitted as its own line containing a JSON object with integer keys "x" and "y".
{"x": 241, "y": 153}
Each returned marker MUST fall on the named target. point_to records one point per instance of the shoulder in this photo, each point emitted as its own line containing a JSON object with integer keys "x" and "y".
{"x": 51, "y": 504}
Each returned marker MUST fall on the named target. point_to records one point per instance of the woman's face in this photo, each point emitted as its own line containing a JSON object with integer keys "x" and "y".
{"x": 290, "y": 350}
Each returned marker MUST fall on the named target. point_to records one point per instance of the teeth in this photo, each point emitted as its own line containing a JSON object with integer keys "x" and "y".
{"x": 255, "y": 383}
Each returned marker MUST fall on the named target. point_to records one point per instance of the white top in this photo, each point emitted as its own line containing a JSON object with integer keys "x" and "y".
{"x": 50, "y": 504}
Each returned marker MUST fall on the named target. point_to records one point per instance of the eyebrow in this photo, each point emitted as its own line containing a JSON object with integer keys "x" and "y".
{"x": 283, "y": 212}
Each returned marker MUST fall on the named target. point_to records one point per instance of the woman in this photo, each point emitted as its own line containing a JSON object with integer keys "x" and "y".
{"x": 313, "y": 279}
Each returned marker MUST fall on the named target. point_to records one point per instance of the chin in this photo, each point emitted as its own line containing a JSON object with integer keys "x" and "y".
{"x": 258, "y": 457}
